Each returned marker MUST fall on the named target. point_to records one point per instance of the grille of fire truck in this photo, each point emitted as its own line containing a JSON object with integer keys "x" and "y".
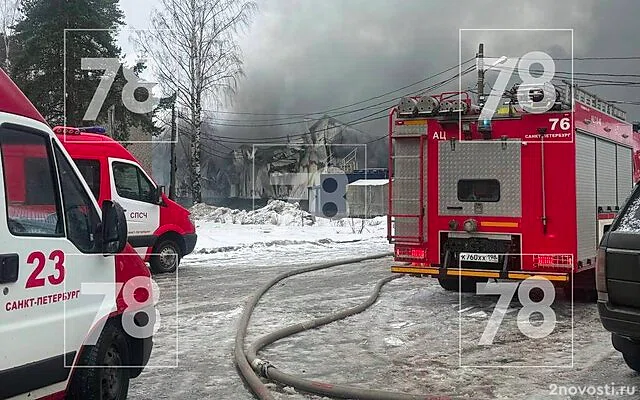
{"x": 407, "y": 203}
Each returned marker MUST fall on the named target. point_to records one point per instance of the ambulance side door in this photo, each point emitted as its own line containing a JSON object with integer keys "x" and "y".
{"x": 48, "y": 226}
{"x": 136, "y": 193}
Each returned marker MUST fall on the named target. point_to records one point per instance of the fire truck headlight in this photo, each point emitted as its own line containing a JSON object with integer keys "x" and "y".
{"x": 470, "y": 225}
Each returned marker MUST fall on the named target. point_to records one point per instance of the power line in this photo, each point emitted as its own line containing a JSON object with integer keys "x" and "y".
{"x": 303, "y": 115}
{"x": 389, "y": 101}
{"x": 569, "y": 74}
{"x": 300, "y": 115}
{"x": 564, "y": 73}
{"x": 631, "y": 103}
{"x": 361, "y": 120}
{"x": 583, "y": 58}
{"x": 375, "y": 140}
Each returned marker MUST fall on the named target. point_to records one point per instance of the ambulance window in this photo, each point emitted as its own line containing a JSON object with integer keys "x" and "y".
{"x": 79, "y": 211}
{"x": 33, "y": 206}
{"x": 131, "y": 182}
{"x": 146, "y": 187}
{"x": 479, "y": 190}
{"x": 34, "y": 193}
{"x": 125, "y": 177}
{"x": 90, "y": 170}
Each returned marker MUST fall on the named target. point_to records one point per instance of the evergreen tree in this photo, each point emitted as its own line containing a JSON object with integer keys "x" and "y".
{"x": 41, "y": 51}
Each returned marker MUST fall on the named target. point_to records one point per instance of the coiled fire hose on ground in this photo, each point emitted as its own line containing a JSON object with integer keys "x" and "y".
{"x": 250, "y": 365}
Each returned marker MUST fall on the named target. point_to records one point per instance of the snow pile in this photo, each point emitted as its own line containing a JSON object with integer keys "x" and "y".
{"x": 276, "y": 212}
{"x": 283, "y": 230}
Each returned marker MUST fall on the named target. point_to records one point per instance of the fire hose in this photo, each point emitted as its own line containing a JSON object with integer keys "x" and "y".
{"x": 252, "y": 368}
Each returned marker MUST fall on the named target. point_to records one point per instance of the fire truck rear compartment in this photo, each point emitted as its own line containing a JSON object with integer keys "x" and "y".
{"x": 479, "y": 179}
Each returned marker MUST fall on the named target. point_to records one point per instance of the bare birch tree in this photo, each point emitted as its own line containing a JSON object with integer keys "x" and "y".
{"x": 8, "y": 16}
{"x": 194, "y": 51}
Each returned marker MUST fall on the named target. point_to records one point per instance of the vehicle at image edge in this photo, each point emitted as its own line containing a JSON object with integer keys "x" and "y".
{"x": 55, "y": 239}
{"x": 618, "y": 281}
{"x": 511, "y": 197}
{"x": 160, "y": 229}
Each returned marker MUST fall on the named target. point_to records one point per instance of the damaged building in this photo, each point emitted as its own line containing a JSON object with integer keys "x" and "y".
{"x": 261, "y": 171}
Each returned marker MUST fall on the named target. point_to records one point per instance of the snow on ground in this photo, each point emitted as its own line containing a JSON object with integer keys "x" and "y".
{"x": 408, "y": 341}
{"x": 264, "y": 232}
{"x": 417, "y": 338}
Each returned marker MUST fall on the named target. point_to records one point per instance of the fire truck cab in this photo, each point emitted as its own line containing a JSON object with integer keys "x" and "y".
{"x": 63, "y": 260}
{"x": 160, "y": 229}
{"x": 518, "y": 195}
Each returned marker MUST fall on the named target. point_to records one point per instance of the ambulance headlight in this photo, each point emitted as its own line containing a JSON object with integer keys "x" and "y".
{"x": 470, "y": 225}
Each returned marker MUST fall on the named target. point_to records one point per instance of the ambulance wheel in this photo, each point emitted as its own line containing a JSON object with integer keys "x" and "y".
{"x": 166, "y": 257}
{"x": 110, "y": 380}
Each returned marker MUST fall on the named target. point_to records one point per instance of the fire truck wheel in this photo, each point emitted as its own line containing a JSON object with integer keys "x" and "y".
{"x": 468, "y": 285}
{"x": 632, "y": 361}
{"x": 166, "y": 257}
{"x": 450, "y": 284}
{"x": 583, "y": 295}
{"x": 108, "y": 381}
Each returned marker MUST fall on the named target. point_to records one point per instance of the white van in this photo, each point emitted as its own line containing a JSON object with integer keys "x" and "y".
{"x": 71, "y": 314}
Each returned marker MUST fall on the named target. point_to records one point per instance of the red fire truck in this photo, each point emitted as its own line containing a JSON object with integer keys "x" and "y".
{"x": 518, "y": 195}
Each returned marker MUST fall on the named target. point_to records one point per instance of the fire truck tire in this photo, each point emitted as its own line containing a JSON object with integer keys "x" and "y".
{"x": 468, "y": 285}
{"x": 448, "y": 284}
{"x": 166, "y": 257}
{"x": 582, "y": 295}
{"x": 632, "y": 361}
{"x": 111, "y": 350}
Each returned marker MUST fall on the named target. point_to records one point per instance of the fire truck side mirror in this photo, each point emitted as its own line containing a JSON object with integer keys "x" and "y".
{"x": 114, "y": 228}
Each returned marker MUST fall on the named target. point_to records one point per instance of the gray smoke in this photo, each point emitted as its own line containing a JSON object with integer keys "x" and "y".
{"x": 304, "y": 57}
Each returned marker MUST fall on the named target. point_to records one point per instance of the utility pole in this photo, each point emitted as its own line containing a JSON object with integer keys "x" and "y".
{"x": 172, "y": 172}
{"x": 110, "y": 118}
{"x": 480, "y": 66}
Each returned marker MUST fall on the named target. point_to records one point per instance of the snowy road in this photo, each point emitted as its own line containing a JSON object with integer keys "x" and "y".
{"x": 408, "y": 341}
{"x": 417, "y": 338}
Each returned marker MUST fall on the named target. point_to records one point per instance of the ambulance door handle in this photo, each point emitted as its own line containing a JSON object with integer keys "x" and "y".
{"x": 8, "y": 268}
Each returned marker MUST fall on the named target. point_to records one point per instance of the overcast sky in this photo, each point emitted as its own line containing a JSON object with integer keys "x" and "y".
{"x": 304, "y": 56}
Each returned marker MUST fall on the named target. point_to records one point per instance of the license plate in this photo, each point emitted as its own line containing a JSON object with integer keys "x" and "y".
{"x": 479, "y": 257}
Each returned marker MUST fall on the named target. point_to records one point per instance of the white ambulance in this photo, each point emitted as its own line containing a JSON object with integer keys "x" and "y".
{"x": 77, "y": 305}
